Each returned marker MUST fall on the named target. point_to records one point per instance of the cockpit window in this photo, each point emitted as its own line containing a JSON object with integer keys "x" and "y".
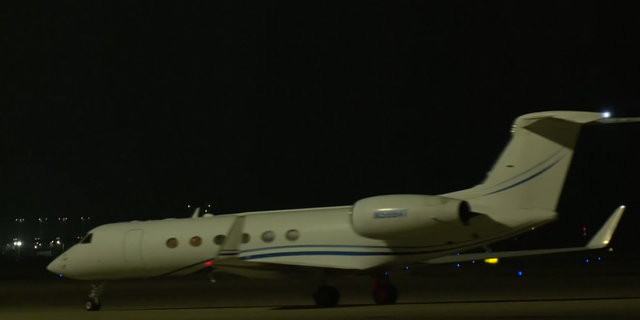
{"x": 87, "y": 239}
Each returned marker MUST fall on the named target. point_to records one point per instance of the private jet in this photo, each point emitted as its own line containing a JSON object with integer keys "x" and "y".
{"x": 368, "y": 237}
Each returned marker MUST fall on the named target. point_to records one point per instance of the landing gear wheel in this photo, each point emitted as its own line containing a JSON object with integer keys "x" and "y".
{"x": 326, "y": 297}
{"x": 92, "y": 304}
{"x": 385, "y": 294}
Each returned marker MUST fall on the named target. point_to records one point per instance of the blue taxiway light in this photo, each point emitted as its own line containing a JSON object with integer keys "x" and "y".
{"x": 458, "y": 265}
{"x": 520, "y": 273}
{"x": 598, "y": 258}
{"x": 473, "y": 261}
{"x": 407, "y": 267}
{"x": 587, "y": 260}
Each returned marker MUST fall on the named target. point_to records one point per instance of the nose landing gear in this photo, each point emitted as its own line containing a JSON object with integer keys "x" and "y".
{"x": 93, "y": 302}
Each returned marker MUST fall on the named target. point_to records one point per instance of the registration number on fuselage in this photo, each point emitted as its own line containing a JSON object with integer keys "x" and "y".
{"x": 383, "y": 214}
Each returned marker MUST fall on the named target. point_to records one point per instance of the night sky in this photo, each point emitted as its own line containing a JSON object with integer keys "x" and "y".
{"x": 132, "y": 111}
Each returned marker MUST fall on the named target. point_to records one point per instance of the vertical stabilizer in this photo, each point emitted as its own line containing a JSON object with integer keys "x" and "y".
{"x": 531, "y": 171}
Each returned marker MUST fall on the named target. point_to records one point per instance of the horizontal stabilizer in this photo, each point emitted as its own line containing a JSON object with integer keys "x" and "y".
{"x": 600, "y": 240}
{"x": 617, "y": 120}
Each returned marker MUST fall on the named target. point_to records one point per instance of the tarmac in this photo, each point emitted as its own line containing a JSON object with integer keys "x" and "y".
{"x": 445, "y": 294}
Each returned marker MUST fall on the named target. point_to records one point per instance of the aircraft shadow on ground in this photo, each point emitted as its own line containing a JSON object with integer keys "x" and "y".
{"x": 310, "y": 307}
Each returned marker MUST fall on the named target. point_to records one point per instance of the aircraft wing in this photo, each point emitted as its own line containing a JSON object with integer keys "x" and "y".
{"x": 600, "y": 240}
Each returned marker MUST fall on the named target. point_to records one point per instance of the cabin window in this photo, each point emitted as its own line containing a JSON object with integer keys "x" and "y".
{"x": 246, "y": 238}
{"x": 196, "y": 241}
{"x": 293, "y": 235}
{"x": 172, "y": 243}
{"x": 87, "y": 238}
{"x": 268, "y": 236}
{"x": 219, "y": 239}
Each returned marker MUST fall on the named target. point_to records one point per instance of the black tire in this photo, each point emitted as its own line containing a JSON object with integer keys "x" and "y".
{"x": 92, "y": 304}
{"x": 385, "y": 294}
{"x": 327, "y": 297}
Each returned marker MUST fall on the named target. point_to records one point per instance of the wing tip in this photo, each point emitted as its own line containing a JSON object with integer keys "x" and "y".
{"x": 604, "y": 235}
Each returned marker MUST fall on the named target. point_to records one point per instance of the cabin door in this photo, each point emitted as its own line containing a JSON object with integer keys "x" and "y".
{"x": 133, "y": 249}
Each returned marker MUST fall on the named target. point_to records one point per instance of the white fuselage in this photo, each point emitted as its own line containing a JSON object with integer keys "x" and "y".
{"x": 325, "y": 239}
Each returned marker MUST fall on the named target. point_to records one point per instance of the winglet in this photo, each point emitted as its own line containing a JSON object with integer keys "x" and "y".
{"x": 196, "y": 213}
{"x": 602, "y": 238}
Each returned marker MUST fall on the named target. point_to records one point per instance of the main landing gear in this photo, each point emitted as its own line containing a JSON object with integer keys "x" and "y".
{"x": 383, "y": 293}
{"x": 93, "y": 302}
{"x": 326, "y": 297}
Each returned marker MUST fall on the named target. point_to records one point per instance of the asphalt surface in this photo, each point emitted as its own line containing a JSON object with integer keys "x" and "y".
{"x": 445, "y": 294}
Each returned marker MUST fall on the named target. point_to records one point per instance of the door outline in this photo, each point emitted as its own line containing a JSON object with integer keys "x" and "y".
{"x": 133, "y": 249}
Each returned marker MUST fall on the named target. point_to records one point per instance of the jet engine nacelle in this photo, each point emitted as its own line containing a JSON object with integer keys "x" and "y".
{"x": 403, "y": 216}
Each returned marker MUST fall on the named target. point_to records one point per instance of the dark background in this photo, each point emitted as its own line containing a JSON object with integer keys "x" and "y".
{"x": 132, "y": 111}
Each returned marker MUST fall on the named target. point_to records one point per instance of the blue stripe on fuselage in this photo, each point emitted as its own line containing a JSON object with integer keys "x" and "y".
{"x": 527, "y": 179}
{"x": 528, "y": 170}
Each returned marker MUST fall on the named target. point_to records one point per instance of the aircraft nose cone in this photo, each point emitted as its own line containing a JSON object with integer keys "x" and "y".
{"x": 57, "y": 266}
{"x": 53, "y": 267}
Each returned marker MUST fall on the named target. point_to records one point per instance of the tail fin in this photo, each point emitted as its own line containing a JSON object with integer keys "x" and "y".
{"x": 531, "y": 171}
